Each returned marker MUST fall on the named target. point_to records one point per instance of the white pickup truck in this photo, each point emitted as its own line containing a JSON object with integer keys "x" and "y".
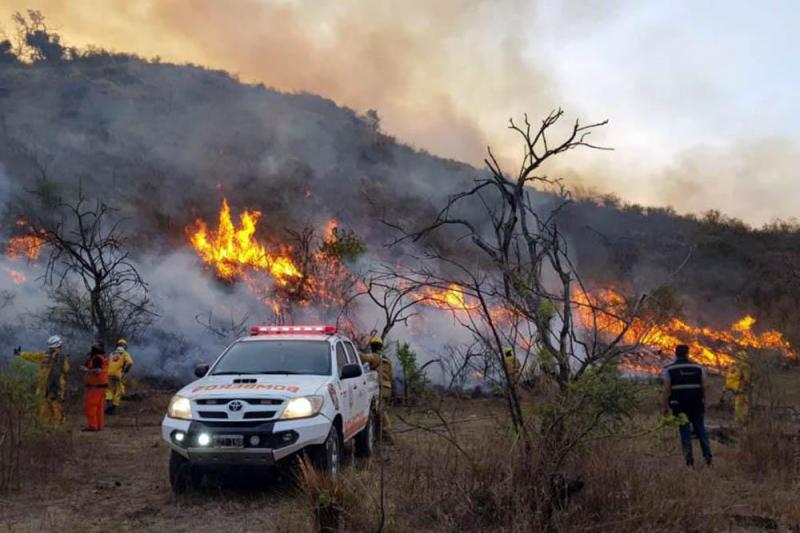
{"x": 280, "y": 391}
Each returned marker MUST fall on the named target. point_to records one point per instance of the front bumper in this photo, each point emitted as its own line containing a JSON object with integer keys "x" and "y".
{"x": 276, "y": 439}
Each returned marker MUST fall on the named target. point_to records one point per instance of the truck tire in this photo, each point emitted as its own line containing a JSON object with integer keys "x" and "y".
{"x": 367, "y": 438}
{"x": 327, "y": 457}
{"x": 183, "y": 475}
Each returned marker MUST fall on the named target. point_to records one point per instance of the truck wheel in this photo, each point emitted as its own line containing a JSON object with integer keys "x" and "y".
{"x": 183, "y": 475}
{"x": 366, "y": 439}
{"x": 328, "y": 455}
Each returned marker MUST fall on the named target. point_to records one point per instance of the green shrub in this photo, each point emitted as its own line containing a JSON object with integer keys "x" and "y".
{"x": 27, "y": 450}
{"x": 414, "y": 381}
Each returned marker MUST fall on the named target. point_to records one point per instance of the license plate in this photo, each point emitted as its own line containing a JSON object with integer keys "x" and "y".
{"x": 228, "y": 441}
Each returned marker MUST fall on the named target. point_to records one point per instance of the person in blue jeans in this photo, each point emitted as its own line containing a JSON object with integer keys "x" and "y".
{"x": 685, "y": 386}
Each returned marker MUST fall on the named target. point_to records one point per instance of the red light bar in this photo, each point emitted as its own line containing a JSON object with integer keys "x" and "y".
{"x": 276, "y": 330}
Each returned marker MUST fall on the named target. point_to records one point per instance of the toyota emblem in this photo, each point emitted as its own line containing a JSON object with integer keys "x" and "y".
{"x": 235, "y": 405}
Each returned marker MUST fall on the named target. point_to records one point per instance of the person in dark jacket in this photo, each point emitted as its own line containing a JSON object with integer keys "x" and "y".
{"x": 685, "y": 386}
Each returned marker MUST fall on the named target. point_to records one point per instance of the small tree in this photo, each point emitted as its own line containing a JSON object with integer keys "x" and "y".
{"x": 413, "y": 378}
{"x": 94, "y": 284}
{"x": 326, "y": 281}
{"x": 18, "y": 406}
{"x": 7, "y": 52}
{"x": 34, "y": 41}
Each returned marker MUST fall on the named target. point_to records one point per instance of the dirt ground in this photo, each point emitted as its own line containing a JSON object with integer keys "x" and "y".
{"x": 117, "y": 480}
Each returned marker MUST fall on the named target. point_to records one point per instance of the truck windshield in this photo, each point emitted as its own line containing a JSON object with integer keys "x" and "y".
{"x": 276, "y": 357}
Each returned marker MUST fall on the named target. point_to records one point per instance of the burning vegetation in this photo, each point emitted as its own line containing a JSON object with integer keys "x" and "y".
{"x": 452, "y": 298}
{"x": 653, "y": 340}
{"x": 309, "y": 270}
{"x": 233, "y": 250}
{"x": 26, "y": 247}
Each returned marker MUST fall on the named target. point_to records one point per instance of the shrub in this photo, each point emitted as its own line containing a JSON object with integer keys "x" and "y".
{"x": 27, "y": 450}
{"x": 414, "y": 381}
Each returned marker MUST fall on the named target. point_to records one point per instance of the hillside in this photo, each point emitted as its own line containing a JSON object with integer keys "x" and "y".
{"x": 164, "y": 143}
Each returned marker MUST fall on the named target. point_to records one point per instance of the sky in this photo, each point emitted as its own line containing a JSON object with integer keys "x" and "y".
{"x": 700, "y": 96}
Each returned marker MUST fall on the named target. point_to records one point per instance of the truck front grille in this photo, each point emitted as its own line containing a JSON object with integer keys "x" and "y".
{"x": 212, "y": 414}
{"x": 228, "y": 424}
{"x": 259, "y": 414}
{"x": 251, "y": 401}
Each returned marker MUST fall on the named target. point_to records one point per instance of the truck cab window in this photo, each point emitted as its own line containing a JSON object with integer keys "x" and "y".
{"x": 351, "y": 354}
{"x": 341, "y": 358}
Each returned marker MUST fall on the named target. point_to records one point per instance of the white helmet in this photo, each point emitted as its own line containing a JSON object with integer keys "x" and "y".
{"x": 54, "y": 342}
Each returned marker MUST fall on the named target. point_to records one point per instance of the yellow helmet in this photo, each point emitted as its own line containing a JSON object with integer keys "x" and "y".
{"x": 122, "y": 342}
{"x": 507, "y": 350}
{"x": 376, "y": 340}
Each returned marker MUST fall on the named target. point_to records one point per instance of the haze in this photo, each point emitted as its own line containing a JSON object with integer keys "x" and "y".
{"x": 699, "y": 96}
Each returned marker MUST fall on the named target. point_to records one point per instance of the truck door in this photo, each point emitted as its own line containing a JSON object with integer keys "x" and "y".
{"x": 347, "y": 390}
{"x": 362, "y": 398}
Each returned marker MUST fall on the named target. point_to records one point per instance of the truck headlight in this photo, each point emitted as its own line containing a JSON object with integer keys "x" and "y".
{"x": 302, "y": 407}
{"x": 180, "y": 407}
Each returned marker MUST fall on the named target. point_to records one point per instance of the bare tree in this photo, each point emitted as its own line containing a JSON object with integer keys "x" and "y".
{"x": 227, "y": 330}
{"x": 93, "y": 281}
{"x": 6, "y": 299}
{"x": 394, "y": 298}
{"x": 519, "y": 280}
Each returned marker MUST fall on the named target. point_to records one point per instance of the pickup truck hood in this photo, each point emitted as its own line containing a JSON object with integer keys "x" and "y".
{"x": 245, "y": 386}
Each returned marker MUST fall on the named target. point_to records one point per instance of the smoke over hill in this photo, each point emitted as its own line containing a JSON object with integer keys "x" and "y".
{"x": 164, "y": 144}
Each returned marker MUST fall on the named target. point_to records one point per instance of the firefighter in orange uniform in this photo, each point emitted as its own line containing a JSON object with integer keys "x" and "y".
{"x": 95, "y": 379}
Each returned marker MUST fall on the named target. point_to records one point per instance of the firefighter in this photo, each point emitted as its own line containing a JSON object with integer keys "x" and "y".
{"x": 685, "y": 386}
{"x": 738, "y": 381}
{"x": 513, "y": 366}
{"x": 95, "y": 379}
{"x": 119, "y": 364}
{"x": 377, "y": 361}
{"x": 51, "y": 382}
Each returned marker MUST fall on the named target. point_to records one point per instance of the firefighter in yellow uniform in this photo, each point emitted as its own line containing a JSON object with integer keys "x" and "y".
{"x": 513, "y": 366}
{"x": 119, "y": 364}
{"x": 738, "y": 381}
{"x": 383, "y": 365}
{"x": 51, "y": 381}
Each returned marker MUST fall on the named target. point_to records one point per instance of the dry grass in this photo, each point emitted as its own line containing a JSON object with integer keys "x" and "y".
{"x": 629, "y": 484}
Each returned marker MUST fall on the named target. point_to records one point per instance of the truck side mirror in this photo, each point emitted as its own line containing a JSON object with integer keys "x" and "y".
{"x": 352, "y": 370}
{"x": 201, "y": 370}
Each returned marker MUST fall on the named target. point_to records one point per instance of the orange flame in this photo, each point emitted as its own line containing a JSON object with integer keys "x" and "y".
{"x": 25, "y": 246}
{"x": 452, "y": 298}
{"x": 233, "y": 250}
{"x": 330, "y": 229}
{"x": 708, "y": 346}
{"x": 17, "y": 277}
{"x": 234, "y": 253}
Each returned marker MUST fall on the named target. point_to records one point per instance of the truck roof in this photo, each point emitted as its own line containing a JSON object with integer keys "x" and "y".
{"x": 294, "y": 337}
